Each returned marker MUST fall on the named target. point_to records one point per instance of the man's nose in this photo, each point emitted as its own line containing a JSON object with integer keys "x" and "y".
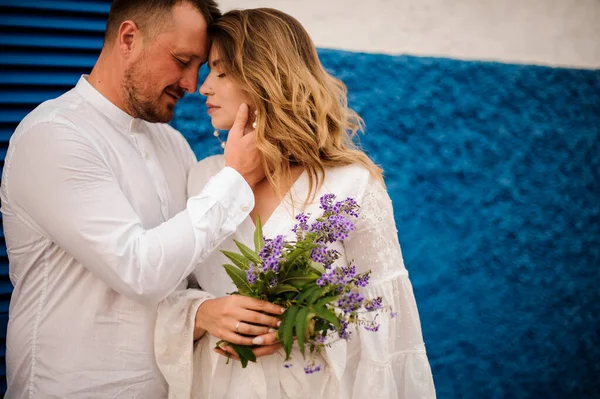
{"x": 189, "y": 81}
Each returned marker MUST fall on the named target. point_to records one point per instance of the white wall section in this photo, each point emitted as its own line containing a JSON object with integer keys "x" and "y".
{"x": 545, "y": 32}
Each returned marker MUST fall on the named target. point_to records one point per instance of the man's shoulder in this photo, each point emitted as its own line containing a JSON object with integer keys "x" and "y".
{"x": 56, "y": 110}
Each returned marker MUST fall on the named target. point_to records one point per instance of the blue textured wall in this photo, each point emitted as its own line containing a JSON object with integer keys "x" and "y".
{"x": 494, "y": 171}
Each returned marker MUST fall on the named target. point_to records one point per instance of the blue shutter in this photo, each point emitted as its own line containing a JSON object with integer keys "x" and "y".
{"x": 44, "y": 47}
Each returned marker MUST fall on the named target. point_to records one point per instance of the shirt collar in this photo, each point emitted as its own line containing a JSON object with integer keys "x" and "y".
{"x": 107, "y": 108}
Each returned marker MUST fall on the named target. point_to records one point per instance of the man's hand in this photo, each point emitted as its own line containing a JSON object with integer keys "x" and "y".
{"x": 241, "y": 153}
{"x": 240, "y": 320}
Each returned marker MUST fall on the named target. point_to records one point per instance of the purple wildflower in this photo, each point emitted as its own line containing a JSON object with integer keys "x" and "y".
{"x": 271, "y": 253}
{"x": 320, "y": 339}
{"x": 374, "y": 304}
{"x": 251, "y": 274}
{"x": 337, "y": 208}
{"x": 319, "y": 254}
{"x": 350, "y": 207}
{"x": 340, "y": 228}
{"x": 302, "y": 224}
{"x": 363, "y": 279}
{"x": 309, "y": 369}
{"x": 344, "y": 333}
{"x": 337, "y": 277}
{"x": 319, "y": 228}
{"x": 375, "y": 328}
{"x": 332, "y": 256}
{"x": 326, "y": 201}
{"x": 347, "y": 273}
{"x": 351, "y": 302}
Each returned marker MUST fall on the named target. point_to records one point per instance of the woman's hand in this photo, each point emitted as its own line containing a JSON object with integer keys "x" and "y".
{"x": 240, "y": 320}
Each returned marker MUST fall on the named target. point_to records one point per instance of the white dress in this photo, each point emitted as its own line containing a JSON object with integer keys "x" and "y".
{"x": 391, "y": 363}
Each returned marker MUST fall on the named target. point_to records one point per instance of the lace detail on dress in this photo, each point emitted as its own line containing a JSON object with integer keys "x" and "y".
{"x": 374, "y": 245}
{"x": 393, "y": 362}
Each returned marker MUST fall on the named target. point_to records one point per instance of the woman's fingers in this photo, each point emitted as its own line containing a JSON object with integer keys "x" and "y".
{"x": 254, "y": 317}
{"x": 239, "y": 319}
{"x": 260, "y": 306}
{"x": 266, "y": 350}
{"x": 250, "y": 329}
{"x": 266, "y": 339}
{"x": 227, "y": 353}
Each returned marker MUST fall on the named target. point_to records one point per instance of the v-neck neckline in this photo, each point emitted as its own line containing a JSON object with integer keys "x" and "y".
{"x": 280, "y": 205}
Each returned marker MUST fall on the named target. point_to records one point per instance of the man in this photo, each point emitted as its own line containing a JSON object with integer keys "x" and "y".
{"x": 96, "y": 221}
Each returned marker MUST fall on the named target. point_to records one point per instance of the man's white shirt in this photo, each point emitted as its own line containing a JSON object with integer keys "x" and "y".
{"x": 99, "y": 230}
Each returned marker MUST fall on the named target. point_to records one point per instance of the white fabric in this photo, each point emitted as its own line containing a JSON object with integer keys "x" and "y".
{"x": 391, "y": 363}
{"x": 98, "y": 232}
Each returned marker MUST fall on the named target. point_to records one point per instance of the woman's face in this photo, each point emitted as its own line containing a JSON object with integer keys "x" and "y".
{"x": 223, "y": 95}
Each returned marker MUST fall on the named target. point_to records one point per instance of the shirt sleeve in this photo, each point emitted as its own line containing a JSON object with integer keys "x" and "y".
{"x": 62, "y": 187}
{"x": 393, "y": 361}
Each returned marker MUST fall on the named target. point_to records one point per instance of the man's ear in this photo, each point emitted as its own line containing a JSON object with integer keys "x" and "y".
{"x": 128, "y": 36}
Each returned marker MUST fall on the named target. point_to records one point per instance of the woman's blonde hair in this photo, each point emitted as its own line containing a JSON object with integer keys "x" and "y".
{"x": 302, "y": 112}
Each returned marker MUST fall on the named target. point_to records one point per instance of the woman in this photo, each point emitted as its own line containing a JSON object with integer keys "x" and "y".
{"x": 304, "y": 129}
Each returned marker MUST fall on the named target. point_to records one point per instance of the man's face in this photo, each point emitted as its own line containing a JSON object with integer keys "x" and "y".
{"x": 166, "y": 66}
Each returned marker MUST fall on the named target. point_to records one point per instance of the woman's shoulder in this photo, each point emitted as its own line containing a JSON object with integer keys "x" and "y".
{"x": 202, "y": 172}
{"x": 349, "y": 180}
{"x": 353, "y": 175}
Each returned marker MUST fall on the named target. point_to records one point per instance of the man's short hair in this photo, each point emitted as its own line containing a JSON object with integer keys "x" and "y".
{"x": 149, "y": 15}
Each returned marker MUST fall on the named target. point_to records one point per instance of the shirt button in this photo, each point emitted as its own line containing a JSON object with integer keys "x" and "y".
{"x": 245, "y": 208}
{"x": 146, "y": 155}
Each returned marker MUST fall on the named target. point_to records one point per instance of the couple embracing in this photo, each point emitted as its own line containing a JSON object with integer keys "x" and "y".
{"x": 114, "y": 230}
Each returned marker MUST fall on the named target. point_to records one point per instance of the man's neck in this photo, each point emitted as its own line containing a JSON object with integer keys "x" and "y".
{"x": 106, "y": 77}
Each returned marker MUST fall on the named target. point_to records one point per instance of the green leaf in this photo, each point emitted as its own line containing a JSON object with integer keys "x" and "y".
{"x": 308, "y": 291}
{"x": 316, "y": 295}
{"x": 323, "y": 301}
{"x": 294, "y": 273}
{"x": 327, "y": 315}
{"x": 286, "y": 330}
{"x": 299, "y": 251}
{"x": 245, "y": 353}
{"x": 239, "y": 278}
{"x": 259, "y": 240}
{"x": 247, "y": 252}
{"x": 279, "y": 289}
{"x": 318, "y": 267}
{"x": 239, "y": 260}
{"x": 301, "y": 324}
{"x": 298, "y": 278}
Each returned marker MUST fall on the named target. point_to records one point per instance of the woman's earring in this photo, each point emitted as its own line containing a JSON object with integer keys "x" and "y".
{"x": 254, "y": 123}
{"x": 217, "y": 134}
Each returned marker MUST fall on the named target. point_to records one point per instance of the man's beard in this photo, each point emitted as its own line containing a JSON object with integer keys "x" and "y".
{"x": 135, "y": 82}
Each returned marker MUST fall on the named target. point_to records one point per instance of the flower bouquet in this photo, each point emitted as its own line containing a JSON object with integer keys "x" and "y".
{"x": 322, "y": 301}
